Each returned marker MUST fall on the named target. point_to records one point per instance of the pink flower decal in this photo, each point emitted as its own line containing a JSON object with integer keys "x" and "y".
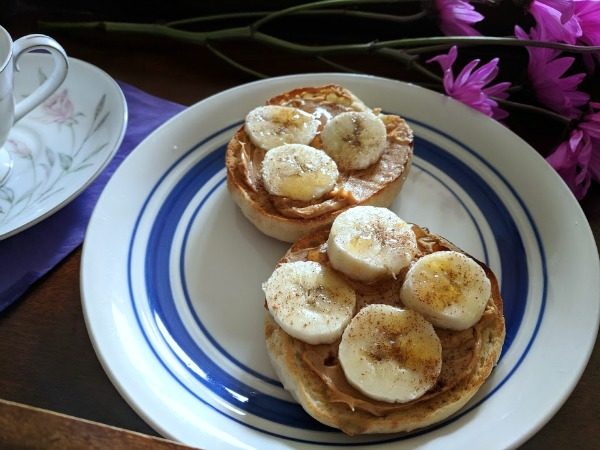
{"x": 19, "y": 148}
{"x": 59, "y": 109}
{"x": 469, "y": 87}
{"x": 546, "y": 70}
{"x": 456, "y": 17}
{"x": 577, "y": 160}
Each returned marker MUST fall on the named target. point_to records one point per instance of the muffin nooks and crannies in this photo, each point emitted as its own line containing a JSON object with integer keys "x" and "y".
{"x": 311, "y": 153}
{"x": 379, "y": 326}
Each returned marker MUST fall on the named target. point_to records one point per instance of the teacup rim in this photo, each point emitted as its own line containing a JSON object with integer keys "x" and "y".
{"x": 4, "y": 34}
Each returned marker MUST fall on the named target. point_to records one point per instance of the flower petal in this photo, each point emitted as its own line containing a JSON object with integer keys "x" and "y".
{"x": 456, "y": 17}
{"x": 549, "y": 20}
{"x": 469, "y": 87}
{"x": 594, "y": 165}
{"x": 446, "y": 61}
{"x": 587, "y": 13}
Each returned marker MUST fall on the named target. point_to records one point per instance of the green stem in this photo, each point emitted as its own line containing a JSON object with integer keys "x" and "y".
{"x": 428, "y": 49}
{"x": 316, "y": 5}
{"x": 216, "y": 17}
{"x": 534, "y": 109}
{"x": 337, "y": 66}
{"x": 443, "y": 42}
{"x": 235, "y": 64}
{"x": 448, "y": 41}
{"x": 515, "y": 88}
{"x": 409, "y": 61}
{"x": 328, "y": 12}
{"x": 151, "y": 29}
{"x": 248, "y": 32}
{"x": 424, "y": 71}
{"x": 380, "y": 16}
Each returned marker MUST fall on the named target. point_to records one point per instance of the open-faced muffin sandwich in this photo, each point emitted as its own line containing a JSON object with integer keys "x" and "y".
{"x": 311, "y": 153}
{"x": 379, "y": 326}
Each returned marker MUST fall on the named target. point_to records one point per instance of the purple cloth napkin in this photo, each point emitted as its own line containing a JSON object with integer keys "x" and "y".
{"x": 29, "y": 255}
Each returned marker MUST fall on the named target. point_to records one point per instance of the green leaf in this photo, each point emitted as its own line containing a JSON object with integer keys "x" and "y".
{"x": 99, "y": 107}
{"x": 101, "y": 122}
{"x": 96, "y": 151}
{"x": 50, "y": 193}
{"x": 7, "y": 194}
{"x": 50, "y": 156}
{"x": 65, "y": 161}
{"x": 27, "y": 194}
{"x": 99, "y": 148}
{"x": 84, "y": 166}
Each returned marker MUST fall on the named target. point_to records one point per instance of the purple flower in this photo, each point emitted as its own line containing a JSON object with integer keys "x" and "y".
{"x": 577, "y": 160}
{"x": 545, "y": 70}
{"x": 552, "y": 23}
{"x": 456, "y": 16}
{"x": 469, "y": 86}
{"x": 580, "y": 22}
{"x": 564, "y": 7}
{"x": 591, "y": 122}
{"x": 587, "y": 14}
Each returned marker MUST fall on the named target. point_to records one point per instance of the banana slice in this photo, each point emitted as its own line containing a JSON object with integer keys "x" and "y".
{"x": 309, "y": 301}
{"x": 390, "y": 354}
{"x": 448, "y": 288}
{"x": 355, "y": 140}
{"x": 368, "y": 243}
{"x": 271, "y": 126}
{"x": 298, "y": 171}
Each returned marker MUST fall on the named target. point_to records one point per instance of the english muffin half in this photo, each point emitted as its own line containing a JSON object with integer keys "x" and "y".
{"x": 332, "y": 383}
{"x": 355, "y": 156}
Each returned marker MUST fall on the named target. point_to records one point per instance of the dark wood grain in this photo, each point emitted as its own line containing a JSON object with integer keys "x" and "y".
{"x": 29, "y": 427}
{"x": 46, "y": 358}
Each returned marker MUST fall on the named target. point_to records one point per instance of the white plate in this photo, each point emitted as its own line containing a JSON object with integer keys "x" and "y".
{"x": 60, "y": 147}
{"x": 171, "y": 275}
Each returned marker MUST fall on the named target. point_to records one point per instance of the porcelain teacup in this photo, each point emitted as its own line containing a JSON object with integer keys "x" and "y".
{"x": 11, "y": 109}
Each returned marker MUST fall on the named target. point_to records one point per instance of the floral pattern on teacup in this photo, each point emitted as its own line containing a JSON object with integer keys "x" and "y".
{"x": 45, "y": 170}
{"x": 59, "y": 109}
{"x": 19, "y": 148}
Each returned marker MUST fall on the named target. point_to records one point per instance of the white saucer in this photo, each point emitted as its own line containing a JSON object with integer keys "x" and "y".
{"x": 61, "y": 146}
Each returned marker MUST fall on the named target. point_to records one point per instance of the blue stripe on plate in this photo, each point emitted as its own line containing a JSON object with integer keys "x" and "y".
{"x": 191, "y": 308}
{"x": 162, "y": 307}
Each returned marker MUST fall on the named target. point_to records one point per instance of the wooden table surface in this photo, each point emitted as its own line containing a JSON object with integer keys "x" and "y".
{"x": 47, "y": 360}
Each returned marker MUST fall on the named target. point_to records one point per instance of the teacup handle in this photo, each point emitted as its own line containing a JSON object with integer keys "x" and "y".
{"x": 61, "y": 64}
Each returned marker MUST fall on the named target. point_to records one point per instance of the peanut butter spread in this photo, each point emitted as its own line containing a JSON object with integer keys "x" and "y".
{"x": 460, "y": 349}
{"x": 354, "y": 186}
